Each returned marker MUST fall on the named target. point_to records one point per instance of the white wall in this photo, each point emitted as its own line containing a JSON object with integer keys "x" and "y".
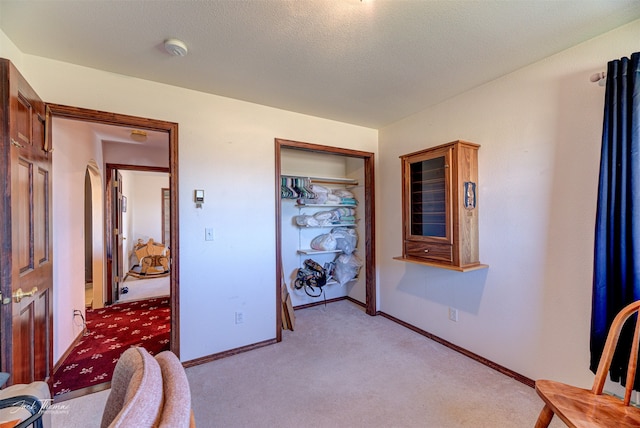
{"x": 70, "y": 161}
{"x": 143, "y": 219}
{"x": 135, "y": 154}
{"x": 226, "y": 147}
{"x": 9, "y": 50}
{"x": 146, "y": 204}
{"x": 540, "y": 131}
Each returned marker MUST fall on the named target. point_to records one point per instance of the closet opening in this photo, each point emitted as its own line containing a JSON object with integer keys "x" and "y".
{"x": 324, "y": 195}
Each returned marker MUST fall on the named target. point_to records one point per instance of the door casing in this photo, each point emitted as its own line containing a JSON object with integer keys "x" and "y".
{"x": 369, "y": 212}
{"x": 112, "y": 292}
{"x": 171, "y": 128}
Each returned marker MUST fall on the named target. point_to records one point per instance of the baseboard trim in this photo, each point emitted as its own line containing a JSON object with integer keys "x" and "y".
{"x": 229, "y": 353}
{"x": 68, "y": 351}
{"x": 357, "y": 302}
{"x": 311, "y": 305}
{"x": 505, "y": 371}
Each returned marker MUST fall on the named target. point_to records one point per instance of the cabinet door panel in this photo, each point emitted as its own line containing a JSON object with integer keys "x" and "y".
{"x": 427, "y": 195}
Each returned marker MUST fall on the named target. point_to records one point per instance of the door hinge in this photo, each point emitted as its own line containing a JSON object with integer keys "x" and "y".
{"x": 5, "y": 300}
{"x": 16, "y": 144}
{"x": 116, "y": 279}
{"x": 115, "y": 232}
{"x": 115, "y": 184}
{"x": 23, "y": 137}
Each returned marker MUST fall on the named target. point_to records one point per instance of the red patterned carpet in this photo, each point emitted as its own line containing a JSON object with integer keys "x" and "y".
{"x": 110, "y": 331}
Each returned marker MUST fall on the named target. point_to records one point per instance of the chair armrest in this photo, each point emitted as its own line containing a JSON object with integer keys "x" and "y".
{"x": 3, "y": 378}
{"x": 29, "y": 403}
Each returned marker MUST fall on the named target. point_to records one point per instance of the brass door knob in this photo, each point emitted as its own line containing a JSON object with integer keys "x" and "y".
{"x": 19, "y": 294}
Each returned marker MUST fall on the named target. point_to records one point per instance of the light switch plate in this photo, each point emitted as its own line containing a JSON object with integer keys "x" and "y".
{"x": 208, "y": 234}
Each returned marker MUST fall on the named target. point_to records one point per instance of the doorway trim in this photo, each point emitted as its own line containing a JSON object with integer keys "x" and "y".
{"x": 369, "y": 212}
{"x": 110, "y": 221}
{"x": 171, "y": 128}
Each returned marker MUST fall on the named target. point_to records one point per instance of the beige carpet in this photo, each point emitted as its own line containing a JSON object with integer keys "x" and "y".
{"x": 343, "y": 368}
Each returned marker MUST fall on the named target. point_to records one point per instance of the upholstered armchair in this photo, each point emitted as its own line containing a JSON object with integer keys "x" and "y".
{"x": 148, "y": 392}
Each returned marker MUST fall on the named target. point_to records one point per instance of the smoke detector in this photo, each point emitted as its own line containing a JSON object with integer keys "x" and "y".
{"x": 175, "y": 47}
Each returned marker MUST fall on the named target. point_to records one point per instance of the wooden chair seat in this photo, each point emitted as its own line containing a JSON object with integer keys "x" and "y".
{"x": 590, "y": 408}
{"x": 578, "y": 407}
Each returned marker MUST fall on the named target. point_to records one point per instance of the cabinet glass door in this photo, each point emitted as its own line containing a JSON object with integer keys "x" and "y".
{"x": 428, "y": 195}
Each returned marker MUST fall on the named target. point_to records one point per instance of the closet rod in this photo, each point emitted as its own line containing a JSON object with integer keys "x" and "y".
{"x": 325, "y": 180}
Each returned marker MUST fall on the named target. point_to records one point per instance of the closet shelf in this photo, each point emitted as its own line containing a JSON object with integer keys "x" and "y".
{"x": 326, "y": 180}
{"x": 334, "y": 282}
{"x": 326, "y": 205}
{"x": 312, "y": 251}
{"x": 328, "y": 225}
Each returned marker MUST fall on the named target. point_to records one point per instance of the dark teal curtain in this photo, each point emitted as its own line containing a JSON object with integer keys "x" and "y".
{"x": 616, "y": 278}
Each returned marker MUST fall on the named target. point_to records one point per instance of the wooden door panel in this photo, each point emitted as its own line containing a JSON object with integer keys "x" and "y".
{"x": 41, "y": 217}
{"x": 22, "y": 349}
{"x": 24, "y": 220}
{"x": 41, "y": 332}
{"x": 23, "y": 116}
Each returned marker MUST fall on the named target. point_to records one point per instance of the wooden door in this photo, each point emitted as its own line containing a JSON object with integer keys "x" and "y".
{"x": 26, "y": 252}
{"x": 114, "y": 256}
{"x": 118, "y": 234}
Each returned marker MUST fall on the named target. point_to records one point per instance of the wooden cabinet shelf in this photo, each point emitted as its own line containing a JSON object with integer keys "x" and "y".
{"x": 439, "y": 207}
{"x": 440, "y": 265}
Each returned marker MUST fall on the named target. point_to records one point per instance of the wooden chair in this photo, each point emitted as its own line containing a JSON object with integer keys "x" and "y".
{"x": 578, "y": 407}
{"x": 153, "y": 260}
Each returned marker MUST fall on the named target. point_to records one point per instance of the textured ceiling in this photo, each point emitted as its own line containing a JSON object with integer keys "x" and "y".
{"x": 369, "y": 62}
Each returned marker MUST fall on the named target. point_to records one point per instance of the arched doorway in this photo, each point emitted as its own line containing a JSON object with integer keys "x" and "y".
{"x": 94, "y": 243}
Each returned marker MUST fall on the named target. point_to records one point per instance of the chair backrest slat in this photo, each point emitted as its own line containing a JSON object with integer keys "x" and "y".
{"x": 610, "y": 347}
{"x": 633, "y": 364}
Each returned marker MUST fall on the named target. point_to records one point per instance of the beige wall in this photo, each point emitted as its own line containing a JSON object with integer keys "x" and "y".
{"x": 226, "y": 147}
{"x": 540, "y": 131}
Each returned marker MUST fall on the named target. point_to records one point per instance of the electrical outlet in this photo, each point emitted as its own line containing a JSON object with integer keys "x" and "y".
{"x": 239, "y": 317}
{"x": 453, "y": 314}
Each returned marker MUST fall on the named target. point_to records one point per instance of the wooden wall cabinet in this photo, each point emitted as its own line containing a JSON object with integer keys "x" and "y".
{"x": 440, "y": 207}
